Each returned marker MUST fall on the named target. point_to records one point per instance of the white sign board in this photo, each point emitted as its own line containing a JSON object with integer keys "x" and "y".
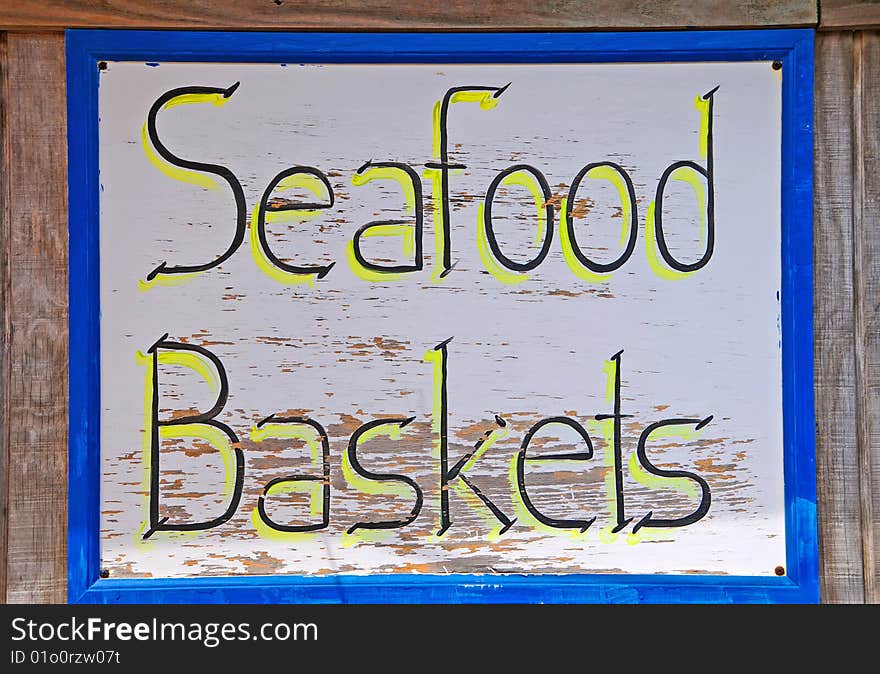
{"x": 442, "y": 319}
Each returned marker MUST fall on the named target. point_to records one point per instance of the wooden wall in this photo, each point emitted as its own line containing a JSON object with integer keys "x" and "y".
{"x": 847, "y": 334}
{"x": 33, "y": 239}
{"x": 33, "y": 357}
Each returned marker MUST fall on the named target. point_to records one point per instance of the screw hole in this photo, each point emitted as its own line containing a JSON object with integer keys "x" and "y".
{"x": 278, "y": 2}
{"x": 779, "y": 570}
{"x": 777, "y": 65}
{"x": 102, "y": 65}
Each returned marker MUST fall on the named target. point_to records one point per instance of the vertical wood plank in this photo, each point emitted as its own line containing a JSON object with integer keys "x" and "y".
{"x": 837, "y": 459}
{"x": 4, "y": 361}
{"x": 35, "y": 334}
{"x": 867, "y": 285}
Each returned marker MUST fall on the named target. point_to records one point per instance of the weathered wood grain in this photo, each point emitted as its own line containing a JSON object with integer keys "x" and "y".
{"x": 836, "y": 14}
{"x": 836, "y": 433}
{"x": 34, "y": 239}
{"x": 867, "y": 285}
{"x": 4, "y": 362}
{"x": 861, "y": 276}
{"x": 35, "y": 334}
{"x": 390, "y": 14}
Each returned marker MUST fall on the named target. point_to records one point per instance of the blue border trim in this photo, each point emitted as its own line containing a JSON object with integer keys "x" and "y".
{"x": 793, "y": 47}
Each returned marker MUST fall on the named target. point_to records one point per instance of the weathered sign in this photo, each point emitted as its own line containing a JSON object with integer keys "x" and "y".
{"x": 441, "y": 318}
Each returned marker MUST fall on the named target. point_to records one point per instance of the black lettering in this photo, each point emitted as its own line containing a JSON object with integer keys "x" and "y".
{"x": 156, "y": 522}
{"x": 447, "y": 474}
{"x": 222, "y": 171}
{"x": 620, "y": 506}
{"x": 383, "y": 477}
{"x": 323, "y": 479}
{"x": 445, "y": 167}
{"x": 521, "y": 458}
{"x": 548, "y": 214}
{"x": 597, "y": 267}
{"x": 417, "y": 262}
{"x": 706, "y": 497}
{"x": 709, "y": 174}
{"x": 268, "y": 205}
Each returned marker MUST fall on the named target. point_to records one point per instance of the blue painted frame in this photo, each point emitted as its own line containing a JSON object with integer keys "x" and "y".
{"x": 794, "y": 48}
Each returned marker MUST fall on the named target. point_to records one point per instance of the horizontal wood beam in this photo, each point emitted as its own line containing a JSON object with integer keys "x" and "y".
{"x": 839, "y": 14}
{"x": 395, "y": 15}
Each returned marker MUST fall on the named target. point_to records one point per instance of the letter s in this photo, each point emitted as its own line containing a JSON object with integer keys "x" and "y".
{"x": 184, "y": 169}
{"x": 16, "y": 625}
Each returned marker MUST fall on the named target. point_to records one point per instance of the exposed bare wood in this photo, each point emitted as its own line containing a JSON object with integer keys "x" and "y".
{"x": 836, "y": 441}
{"x": 866, "y": 242}
{"x": 33, "y": 234}
{"x": 4, "y": 361}
{"x": 836, "y": 14}
{"x": 35, "y": 223}
{"x": 391, "y": 14}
